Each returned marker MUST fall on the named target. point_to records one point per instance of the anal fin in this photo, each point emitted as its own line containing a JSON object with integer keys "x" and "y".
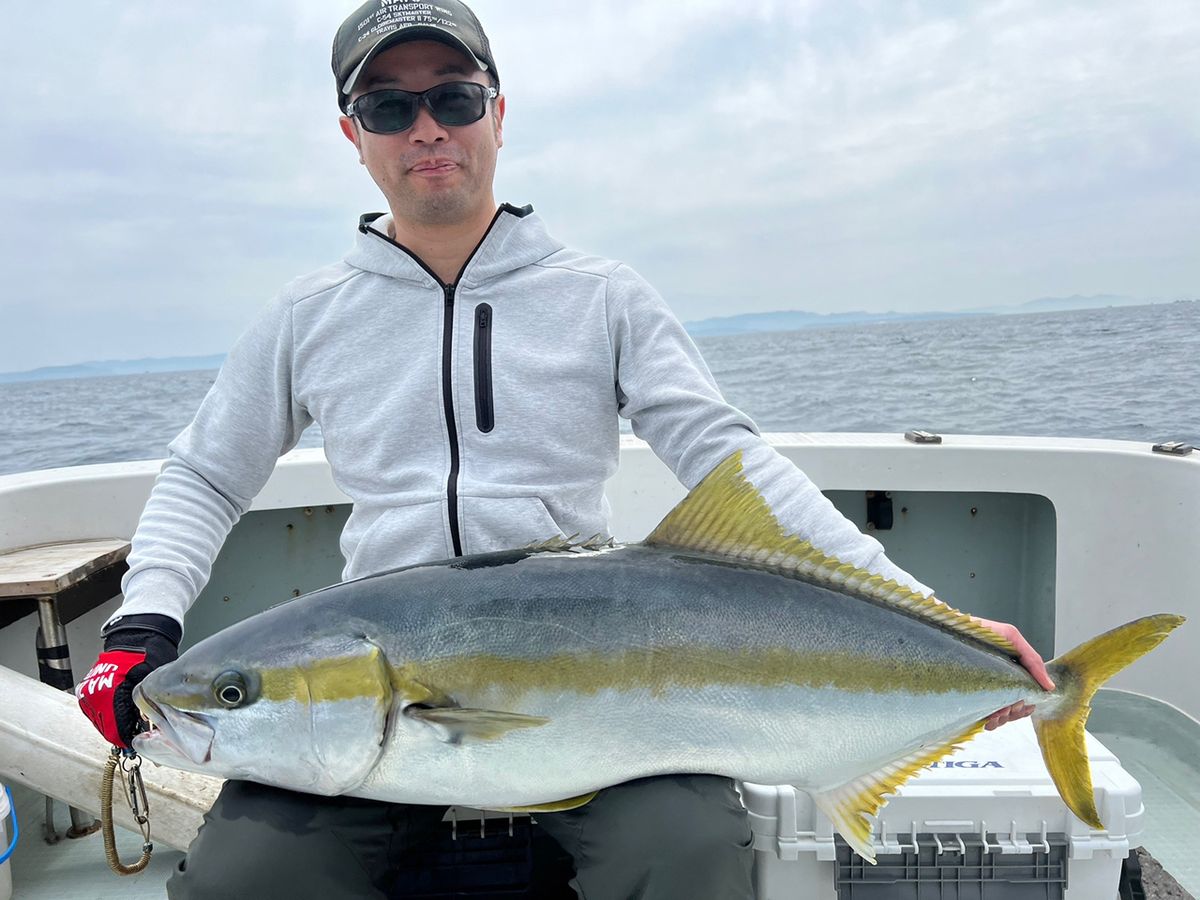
{"x": 852, "y": 806}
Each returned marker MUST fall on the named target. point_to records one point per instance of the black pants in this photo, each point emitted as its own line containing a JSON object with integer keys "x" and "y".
{"x": 681, "y": 837}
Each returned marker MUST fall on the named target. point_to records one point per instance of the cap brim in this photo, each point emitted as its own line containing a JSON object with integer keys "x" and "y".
{"x": 403, "y": 35}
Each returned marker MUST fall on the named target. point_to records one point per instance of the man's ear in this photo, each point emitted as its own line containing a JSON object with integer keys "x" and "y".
{"x": 350, "y": 130}
{"x": 500, "y": 121}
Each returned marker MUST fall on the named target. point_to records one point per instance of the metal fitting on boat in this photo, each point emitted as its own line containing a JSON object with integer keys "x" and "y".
{"x": 1173, "y": 448}
{"x": 922, "y": 437}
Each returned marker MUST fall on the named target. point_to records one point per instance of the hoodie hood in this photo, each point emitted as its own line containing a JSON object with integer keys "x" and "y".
{"x": 516, "y": 238}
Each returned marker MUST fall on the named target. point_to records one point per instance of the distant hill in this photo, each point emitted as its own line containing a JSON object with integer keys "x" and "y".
{"x": 794, "y": 320}
{"x": 746, "y": 323}
{"x": 1076, "y": 301}
{"x": 116, "y": 367}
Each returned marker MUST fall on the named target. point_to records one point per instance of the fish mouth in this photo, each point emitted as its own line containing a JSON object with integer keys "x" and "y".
{"x": 175, "y": 731}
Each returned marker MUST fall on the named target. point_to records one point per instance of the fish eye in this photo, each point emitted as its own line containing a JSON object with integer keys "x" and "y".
{"x": 229, "y": 689}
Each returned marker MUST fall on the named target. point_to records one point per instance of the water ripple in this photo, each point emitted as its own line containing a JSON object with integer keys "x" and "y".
{"x": 1129, "y": 373}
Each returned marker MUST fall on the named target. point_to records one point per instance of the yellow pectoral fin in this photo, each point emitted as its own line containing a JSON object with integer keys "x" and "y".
{"x": 555, "y": 806}
{"x": 852, "y": 806}
{"x": 480, "y": 724}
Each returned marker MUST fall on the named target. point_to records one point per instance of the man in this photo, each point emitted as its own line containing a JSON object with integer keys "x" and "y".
{"x": 467, "y": 371}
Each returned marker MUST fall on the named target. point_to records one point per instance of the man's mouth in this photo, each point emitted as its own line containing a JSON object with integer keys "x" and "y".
{"x": 434, "y": 167}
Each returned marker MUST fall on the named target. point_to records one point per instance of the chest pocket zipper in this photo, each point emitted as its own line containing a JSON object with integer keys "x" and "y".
{"x": 485, "y": 417}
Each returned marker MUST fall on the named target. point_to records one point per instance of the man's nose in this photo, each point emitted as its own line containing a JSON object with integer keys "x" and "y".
{"x": 425, "y": 128}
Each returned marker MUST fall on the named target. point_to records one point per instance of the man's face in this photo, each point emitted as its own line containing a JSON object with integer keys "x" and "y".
{"x": 431, "y": 174}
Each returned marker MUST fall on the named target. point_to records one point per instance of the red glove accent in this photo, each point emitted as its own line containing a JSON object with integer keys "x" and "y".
{"x": 99, "y": 687}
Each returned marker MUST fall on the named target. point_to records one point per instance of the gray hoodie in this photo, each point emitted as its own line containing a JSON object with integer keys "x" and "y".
{"x": 458, "y": 418}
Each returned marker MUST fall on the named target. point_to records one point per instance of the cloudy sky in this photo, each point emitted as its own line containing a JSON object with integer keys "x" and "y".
{"x": 167, "y": 166}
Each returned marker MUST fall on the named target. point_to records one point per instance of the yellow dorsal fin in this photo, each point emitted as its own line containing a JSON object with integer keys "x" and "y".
{"x": 851, "y": 807}
{"x": 726, "y": 516}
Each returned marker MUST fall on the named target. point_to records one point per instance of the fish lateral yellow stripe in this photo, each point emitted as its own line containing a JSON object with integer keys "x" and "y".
{"x": 658, "y": 670}
{"x": 726, "y": 516}
{"x": 1078, "y": 674}
{"x": 325, "y": 680}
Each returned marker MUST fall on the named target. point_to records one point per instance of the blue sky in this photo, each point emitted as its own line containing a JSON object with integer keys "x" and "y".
{"x": 169, "y": 166}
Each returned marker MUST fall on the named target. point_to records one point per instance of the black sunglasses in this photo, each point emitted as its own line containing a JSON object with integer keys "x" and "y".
{"x": 391, "y": 111}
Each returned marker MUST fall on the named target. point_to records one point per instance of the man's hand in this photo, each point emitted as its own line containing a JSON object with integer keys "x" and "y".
{"x": 134, "y": 646}
{"x": 1029, "y": 658}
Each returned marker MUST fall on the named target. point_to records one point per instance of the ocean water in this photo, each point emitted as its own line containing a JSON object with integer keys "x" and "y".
{"x": 1130, "y": 373}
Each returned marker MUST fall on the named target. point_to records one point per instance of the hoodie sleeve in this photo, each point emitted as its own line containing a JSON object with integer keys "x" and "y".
{"x": 215, "y": 467}
{"x": 672, "y": 401}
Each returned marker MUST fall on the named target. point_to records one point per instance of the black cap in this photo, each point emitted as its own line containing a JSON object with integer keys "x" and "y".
{"x": 379, "y": 24}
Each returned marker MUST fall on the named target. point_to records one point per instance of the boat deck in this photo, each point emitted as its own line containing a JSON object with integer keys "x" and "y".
{"x": 76, "y": 869}
{"x": 1160, "y": 747}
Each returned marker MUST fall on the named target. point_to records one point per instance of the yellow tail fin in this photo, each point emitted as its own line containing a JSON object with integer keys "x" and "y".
{"x": 1077, "y": 675}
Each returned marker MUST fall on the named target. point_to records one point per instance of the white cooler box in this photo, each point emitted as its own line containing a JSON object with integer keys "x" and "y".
{"x": 989, "y": 826}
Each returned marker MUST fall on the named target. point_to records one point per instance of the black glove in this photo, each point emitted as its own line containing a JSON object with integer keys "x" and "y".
{"x": 134, "y": 646}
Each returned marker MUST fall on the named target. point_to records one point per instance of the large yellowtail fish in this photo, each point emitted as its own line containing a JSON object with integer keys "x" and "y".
{"x": 533, "y": 678}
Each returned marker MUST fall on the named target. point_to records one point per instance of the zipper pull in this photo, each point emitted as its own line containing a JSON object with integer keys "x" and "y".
{"x": 449, "y": 290}
{"x": 484, "y": 319}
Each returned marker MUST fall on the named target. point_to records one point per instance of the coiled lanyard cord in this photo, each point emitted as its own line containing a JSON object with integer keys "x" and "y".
{"x": 135, "y": 796}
